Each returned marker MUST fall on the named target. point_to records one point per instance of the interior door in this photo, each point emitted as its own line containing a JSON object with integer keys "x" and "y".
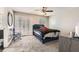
{"x": 8, "y": 23}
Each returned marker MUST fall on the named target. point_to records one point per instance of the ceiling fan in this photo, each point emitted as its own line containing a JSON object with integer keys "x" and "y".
{"x": 45, "y": 10}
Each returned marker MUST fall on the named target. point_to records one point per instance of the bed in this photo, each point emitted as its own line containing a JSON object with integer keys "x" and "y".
{"x": 45, "y": 34}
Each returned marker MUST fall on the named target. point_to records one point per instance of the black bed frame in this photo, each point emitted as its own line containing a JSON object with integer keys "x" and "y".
{"x": 40, "y": 37}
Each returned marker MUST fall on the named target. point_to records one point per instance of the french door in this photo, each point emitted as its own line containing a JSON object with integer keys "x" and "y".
{"x": 22, "y": 24}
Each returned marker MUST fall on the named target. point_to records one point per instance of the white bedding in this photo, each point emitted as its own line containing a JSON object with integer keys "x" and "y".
{"x": 52, "y": 34}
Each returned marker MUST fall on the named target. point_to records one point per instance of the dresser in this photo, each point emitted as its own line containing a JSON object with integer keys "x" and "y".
{"x": 68, "y": 44}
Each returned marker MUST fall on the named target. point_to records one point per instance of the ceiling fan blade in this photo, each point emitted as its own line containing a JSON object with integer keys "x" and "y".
{"x": 49, "y": 11}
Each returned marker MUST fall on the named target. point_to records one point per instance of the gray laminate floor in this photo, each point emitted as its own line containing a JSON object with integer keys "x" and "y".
{"x": 31, "y": 44}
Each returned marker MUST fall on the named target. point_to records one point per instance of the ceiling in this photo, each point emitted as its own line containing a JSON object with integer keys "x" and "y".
{"x": 32, "y": 10}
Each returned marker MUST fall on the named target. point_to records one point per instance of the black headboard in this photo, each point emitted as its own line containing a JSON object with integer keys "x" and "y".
{"x": 37, "y": 26}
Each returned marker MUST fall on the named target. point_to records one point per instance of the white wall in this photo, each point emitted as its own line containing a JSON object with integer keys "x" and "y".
{"x": 64, "y": 19}
{"x": 1, "y": 15}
